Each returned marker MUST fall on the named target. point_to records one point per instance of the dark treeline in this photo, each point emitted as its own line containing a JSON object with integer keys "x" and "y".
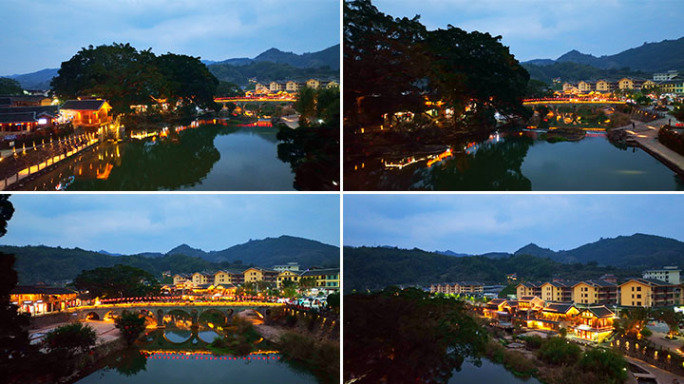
{"x": 393, "y": 64}
{"x": 376, "y": 268}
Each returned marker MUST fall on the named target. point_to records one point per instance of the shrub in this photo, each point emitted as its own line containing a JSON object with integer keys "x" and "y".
{"x": 131, "y": 325}
{"x": 609, "y": 365}
{"x": 74, "y": 337}
{"x": 559, "y": 351}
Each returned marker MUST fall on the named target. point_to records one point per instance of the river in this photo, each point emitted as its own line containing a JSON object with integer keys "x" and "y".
{"x": 203, "y": 157}
{"x": 177, "y": 357}
{"x": 488, "y": 372}
{"x": 517, "y": 160}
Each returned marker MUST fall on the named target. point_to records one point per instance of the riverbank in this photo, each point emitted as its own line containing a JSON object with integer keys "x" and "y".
{"x": 645, "y": 135}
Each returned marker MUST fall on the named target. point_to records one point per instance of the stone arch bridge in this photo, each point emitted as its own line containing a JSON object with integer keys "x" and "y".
{"x": 159, "y": 310}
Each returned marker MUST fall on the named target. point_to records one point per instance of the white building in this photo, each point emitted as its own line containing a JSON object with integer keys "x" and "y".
{"x": 668, "y": 274}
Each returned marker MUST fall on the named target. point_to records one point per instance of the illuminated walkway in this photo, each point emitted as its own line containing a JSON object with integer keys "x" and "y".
{"x": 646, "y": 136}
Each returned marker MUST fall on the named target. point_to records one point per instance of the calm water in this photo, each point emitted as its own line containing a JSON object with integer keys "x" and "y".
{"x": 209, "y": 157}
{"x": 517, "y": 161}
{"x": 487, "y": 373}
{"x": 180, "y": 358}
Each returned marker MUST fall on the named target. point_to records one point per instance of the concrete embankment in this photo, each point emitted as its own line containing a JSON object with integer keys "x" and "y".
{"x": 645, "y": 135}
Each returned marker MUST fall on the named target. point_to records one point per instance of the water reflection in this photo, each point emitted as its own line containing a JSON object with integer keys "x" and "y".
{"x": 517, "y": 160}
{"x": 199, "y": 157}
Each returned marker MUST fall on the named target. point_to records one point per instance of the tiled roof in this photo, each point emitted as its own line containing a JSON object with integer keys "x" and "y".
{"x": 559, "y": 307}
{"x": 600, "y": 311}
{"x": 83, "y": 105}
{"x": 21, "y": 117}
{"x": 40, "y": 290}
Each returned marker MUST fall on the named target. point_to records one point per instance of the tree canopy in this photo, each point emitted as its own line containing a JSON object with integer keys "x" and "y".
{"x": 9, "y": 86}
{"x": 125, "y": 76}
{"x": 394, "y": 64}
{"x": 117, "y": 281}
{"x": 400, "y": 336}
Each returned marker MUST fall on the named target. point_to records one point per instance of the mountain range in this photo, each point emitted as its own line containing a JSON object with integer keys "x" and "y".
{"x": 56, "y": 265}
{"x": 623, "y": 256}
{"x": 649, "y": 57}
{"x": 267, "y": 66}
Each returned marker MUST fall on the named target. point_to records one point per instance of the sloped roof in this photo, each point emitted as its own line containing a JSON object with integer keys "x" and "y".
{"x": 21, "y": 117}
{"x": 319, "y": 272}
{"x": 40, "y": 290}
{"x": 559, "y": 307}
{"x": 600, "y": 311}
{"x": 83, "y": 105}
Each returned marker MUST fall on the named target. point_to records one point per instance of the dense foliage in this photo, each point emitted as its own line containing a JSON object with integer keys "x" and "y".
{"x": 10, "y": 87}
{"x": 407, "y": 336}
{"x": 393, "y": 63}
{"x": 131, "y": 325}
{"x": 672, "y": 139}
{"x": 574, "y": 72}
{"x": 268, "y": 71}
{"x": 559, "y": 351}
{"x": 117, "y": 281}
{"x": 126, "y": 76}
{"x": 322, "y": 357}
{"x": 375, "y": 268}
{"x": 313, "y": 148}
{"x": 71, "y": 338}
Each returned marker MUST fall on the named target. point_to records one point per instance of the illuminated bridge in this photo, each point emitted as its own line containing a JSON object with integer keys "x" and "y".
{"x": 257, "y": 99}
{"x": 568, "y": 100}
{"x": 158, "y": 310}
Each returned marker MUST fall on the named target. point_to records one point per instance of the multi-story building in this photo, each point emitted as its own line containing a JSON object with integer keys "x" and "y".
{"x": 287, "y": 275}
{"x": 556, "y": 291}
{"x": 528, "y": 289}
{"x": 662, "y": 76}
{"x": 328, "y": 278}
{"x": 286, "y": 267}
{"x": 228, "y": 277}
{"x": 639, "y": 292}
{"x": 199, "y": 278}
{"x": 668, "y": 274}
{"x": 254, "y": 274}
{"x": 675, "y": 85}
{"x": 595, "y": 292}
{"x": 586, "y": 86}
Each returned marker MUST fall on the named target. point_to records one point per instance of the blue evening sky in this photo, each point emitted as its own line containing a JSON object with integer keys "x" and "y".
{"x": 476, "y": 224}
{"x": 543, "y": 29}
{"x": 40, "y": 34}
{"x": 133, "y": 223}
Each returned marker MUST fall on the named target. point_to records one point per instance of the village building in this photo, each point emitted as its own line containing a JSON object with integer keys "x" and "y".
{"x": 639, "y": 292}
{"x": 668, "y": 274}
{"x": 287, "y": 275}
{"x": 87, "y": 113}
{"x": 228, "y": 277}
{"x": 556, "y": 291}
{"x": 41, "y": 300}
{"x": 254, "y": 274}
{"x": 528, "y": 289}
{"x": 595, "y": 292}
{"x": 286, "y": 267}
{"x": 328, "y": 278}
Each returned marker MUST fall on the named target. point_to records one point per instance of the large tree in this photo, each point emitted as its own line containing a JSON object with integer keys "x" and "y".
{"x": 117, "y": 281}
{"x": 407, "y": 336}
{"x": 125, "y": 76}
{"x": 14, "y": 341}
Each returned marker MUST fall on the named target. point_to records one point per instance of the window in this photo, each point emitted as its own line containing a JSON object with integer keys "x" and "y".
{"x": 638, "y": 289}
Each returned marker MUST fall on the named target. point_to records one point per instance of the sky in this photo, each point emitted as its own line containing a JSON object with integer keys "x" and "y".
{"x": 477, "y": 224}
{"x": 134, "y": 223}
{"x": 39, "y": 34}
{"x": 543, "y": 29}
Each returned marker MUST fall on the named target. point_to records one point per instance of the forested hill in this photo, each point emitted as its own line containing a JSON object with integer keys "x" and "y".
{"x": 58, "y": 265}
{"x": 649, "y": 57}
{"x": 377, "y": 268}
{"x": 374, "y": 268}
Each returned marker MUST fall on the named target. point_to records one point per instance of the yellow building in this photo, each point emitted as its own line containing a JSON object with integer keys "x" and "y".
{"x": 328, "y": 278}
{"x": 254, "y": 274}
{"x": 586, "y": 86}
{"x": 199, "y": 278}
{"x": 313, "y": 83}
{"x": 332, "y": 84}
{"x": 287, "y": 275}
{"x": 181, "y": 278}
{"x": 527, "y": 289}
{"x": 556, "y": 291}
{"x": 638, "y": 292}
{"x": 595, "y": 292}
{"x": 625, "y": 83}
{"x": 603, "y": 86}
{"x": 223, "y": 277}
